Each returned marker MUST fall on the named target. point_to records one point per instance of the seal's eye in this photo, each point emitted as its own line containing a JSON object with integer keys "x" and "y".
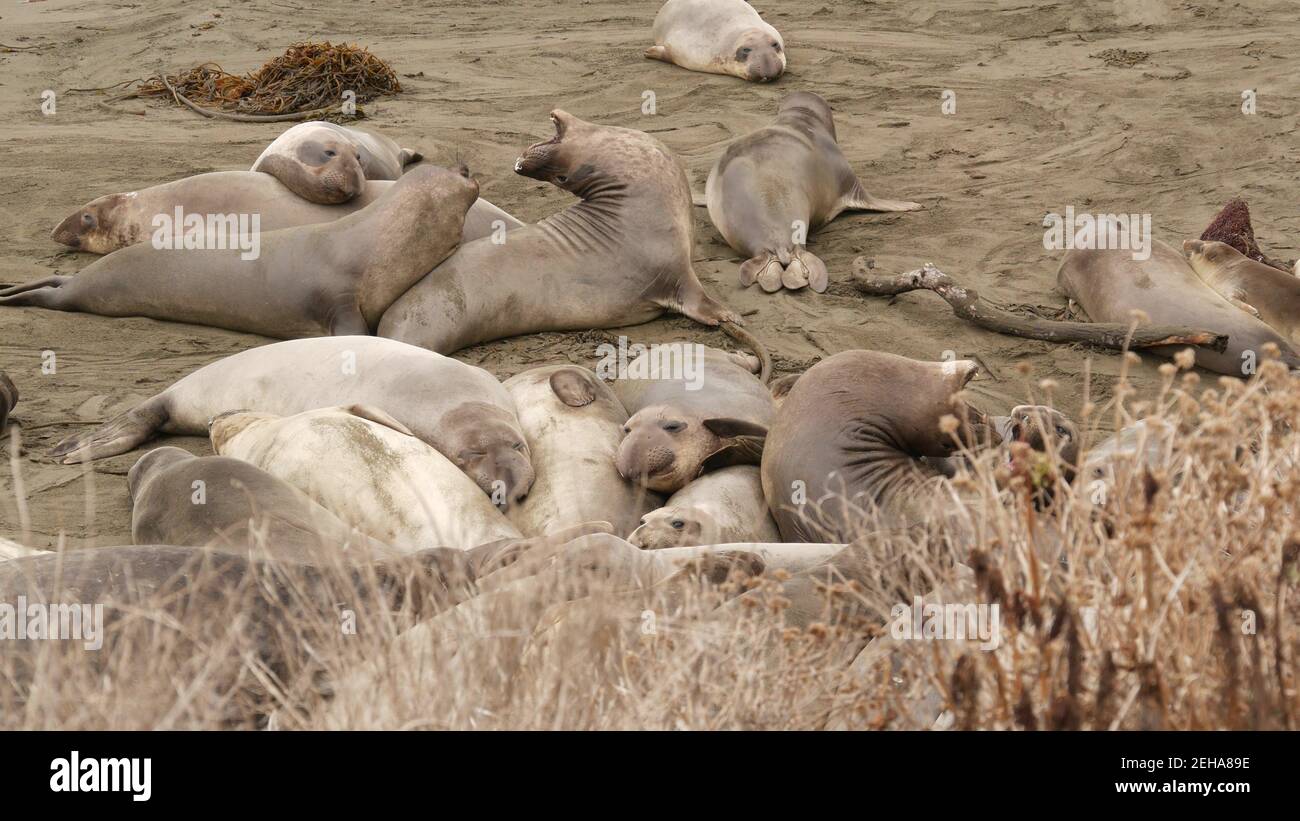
{"x": 672, "y": 427}
{"x": 1060, "y": 431}
{"x": 331, "y": 153}
{"x": 519, "y": 446}
{"x": 776, "y": 46}
{"x": 87, "y": 219}
{"x": 744, "y": 52}
{"x": 677, "y": 524}
{"x": 561, "y": 178}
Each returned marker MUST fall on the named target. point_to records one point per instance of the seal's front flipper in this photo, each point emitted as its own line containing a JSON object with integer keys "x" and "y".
{"x": 119, "y": 435}
{"x": 378, "y": 416}
{"x": 741, "y": 443}
{"x": 1245, "y": 306}
{"x": 859, "y": 200}
{"x": 408, "y": 156}
{"x": 658, "y": 53}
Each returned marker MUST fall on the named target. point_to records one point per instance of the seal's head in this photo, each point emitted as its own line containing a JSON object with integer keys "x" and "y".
{"x": 150, "y": 464}
{"x": 759, "y": 56}
{"x": 98, "y": 227}
{"x": 320, "y": 165}
{"x": 675, "y": 526}
{"x": 806, "y": 105}
{"x": 587, "y": 159}
{"x": 1209, "y": 257}
{"x": 486, "y": 443}
{"x": 665, "y": 447}
{"x": 1039, "y": 425}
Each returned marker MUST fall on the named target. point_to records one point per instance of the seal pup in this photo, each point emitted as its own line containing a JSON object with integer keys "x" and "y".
{"x": 8, "y": 400}
{"x": 330, "y": 163}
{"x": 772, "y": 187}
{"x": 621, "y": 256}
{"x": 462, "y": 411}
{"x": 333, "y": 278}
{"x": 573, "y": 423}
{"x": 721, "y": 507}
{"x": 704, "y": 410}
{"x": 718, "y": 37}
{"x": 182, "y": 499}
{"x": 369, "y": 470}
{"x": 1259, "y": 289}
{"x": 1110, "y": 284}
{"x": 114, "y": 221}
{"x": 847, "y": 443}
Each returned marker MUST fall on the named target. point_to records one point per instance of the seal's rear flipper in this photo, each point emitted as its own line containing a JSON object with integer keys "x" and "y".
{"x": 699, "y": 306}
{"x": 658, "y": 53}
{"x": 42, "y": 293}
{"x": 750, "y": 268}
{"x": 119, "y": 435}
{"x": 818, "y": 276}
{"x": 859, "y": 200}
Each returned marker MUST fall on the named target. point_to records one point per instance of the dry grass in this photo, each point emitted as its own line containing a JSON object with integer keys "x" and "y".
{"x": 1155, "y": 598}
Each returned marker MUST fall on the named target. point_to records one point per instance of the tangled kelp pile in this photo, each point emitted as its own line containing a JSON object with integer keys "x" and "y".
{"x": 309, "y": 79}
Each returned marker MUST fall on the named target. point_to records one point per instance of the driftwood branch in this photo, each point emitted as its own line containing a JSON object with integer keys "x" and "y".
{"x": 969, "y": 305}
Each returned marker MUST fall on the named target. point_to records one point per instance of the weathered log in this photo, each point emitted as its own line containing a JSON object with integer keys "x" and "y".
{"x": 969, "y": 305}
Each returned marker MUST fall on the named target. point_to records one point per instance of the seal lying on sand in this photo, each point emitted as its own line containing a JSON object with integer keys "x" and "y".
{"x": 370, "y": 470}
{"x": 774, "y": 186}
{"x": 115, "y": 221}
{"x": 333, "y": 278}
{"x": 1110, "y": 284}
{"x": 1261, "y": 290}
{"x": 8, "y": 399}
{"x": 178, "y": 498}
{"x": 460, "y": 410}
{"x": 329, "y": 163}
{"x": 573, "y": 423}
{"x": 620, "y": 257}
{"x": 707, "y": 411}
{"x": 721, "y": 507}
{"x": 847, "y": 441}
{"x": 720, "y": 37}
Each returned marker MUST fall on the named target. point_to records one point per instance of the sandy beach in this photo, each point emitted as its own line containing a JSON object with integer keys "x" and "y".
{"x": 1131, "y": 107}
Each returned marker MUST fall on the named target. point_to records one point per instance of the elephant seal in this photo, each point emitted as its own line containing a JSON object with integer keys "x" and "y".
{"x": 848, "y": 438}
{"x": 772, "y": 187}
{"x": 1110, "y": 284}
{"x": 329, "y": 163}
{"x": 718, "y": 37}
{"x": 721, "y": 507}
{"x": 369, "y": 470}
{"x": 1258, "y": 288}
{"x": 710, "y": 412}
{"x": 460, "y": 410}
{"x": 333, "y": 278}
{"x": 8, "y": 399}
{"x": 573, "y": 423}
{"x": 114, "y": 221}
{"x": 620, "y": 257}
{"x": 182, "y": 499}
